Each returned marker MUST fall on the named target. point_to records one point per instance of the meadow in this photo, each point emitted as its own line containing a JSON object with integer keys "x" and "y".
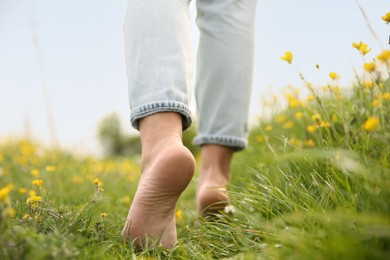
{"x": 314, "y": 183}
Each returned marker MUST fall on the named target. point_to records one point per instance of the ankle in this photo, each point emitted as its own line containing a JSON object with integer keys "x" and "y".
{"x": 216, "y": 160}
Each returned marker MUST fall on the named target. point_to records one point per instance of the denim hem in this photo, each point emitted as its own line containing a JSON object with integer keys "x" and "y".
{"x": 235, "y": 142}
{"x": 151, "y": 108}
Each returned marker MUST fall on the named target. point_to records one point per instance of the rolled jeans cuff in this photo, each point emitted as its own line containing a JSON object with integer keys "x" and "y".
{"x": 236, "y": 143}
{"x": 151, "y": 108}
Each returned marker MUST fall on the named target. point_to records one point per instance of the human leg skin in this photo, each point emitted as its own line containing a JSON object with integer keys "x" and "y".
{"x": 167, "y": 168}
{"x": 157, "y": 45}
{"x": 214, "y": 176}
{"x": 223, "y": 87}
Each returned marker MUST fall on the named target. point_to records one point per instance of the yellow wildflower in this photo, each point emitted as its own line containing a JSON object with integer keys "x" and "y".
{"x": 386, "y": 96}
{"x": 309, "y": 143}
{"x": 36, "y": 198}
{"x": 376, "y": 103}
{"x": 298, "y": 115}
{"x": 371, "y": 124}
{"x": 333, "y": 75}
{"x": 361, "y": 47}
{"x": 316, "y": 117}
{"x": 311, "y": 128}
{"x": 386, "y": 18}
{"x": 384, "y": 56}
{"x": 280, "y": 118}
{"x": 179, "y": 215}
{"x": 37, "y": 183}
{"x": 4, "y": 192}
{"x": 369, "y": 66}
{"x": 22, "y": 190}
{"x": 35, "y": 172}
{"x": 288, "y": 57}
{"x": 288, "y": 125}
{"x": 10, "y": 186}
{"x": 103, "y": 215}
{"x": 294, "y": 141}
{"x": 50, "y": 168}
{"x": 126, "y": 200}
{"x": 293, "y": 102}
{"x": 96, "y": 181}
{"x": 268, "y": 128}
{"x": 324, "y": 124}
{"x": 368, "y": 84}
{"x": 310, "y": 99}
{"x": 26, "y": 217}
{"x": 32, "y": 193}
{"x": 10, "y": 212}
{"x": 259, "y": 138}
{"x": 77, "y": 179}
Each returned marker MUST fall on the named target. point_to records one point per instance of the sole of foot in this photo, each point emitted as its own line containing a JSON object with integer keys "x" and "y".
{"x": 152, "y": 213}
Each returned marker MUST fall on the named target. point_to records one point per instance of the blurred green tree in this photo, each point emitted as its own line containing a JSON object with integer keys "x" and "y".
{"x": 117, "y": 143}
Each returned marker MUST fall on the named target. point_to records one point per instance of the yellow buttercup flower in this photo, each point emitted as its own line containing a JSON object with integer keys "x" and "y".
{"x": 316, "y": 117}
{"x": 371, "y": 124}
{"x": 37, "y": 183}
{"x": 77, "y": 179}
{"x": 288, "y": 57}
{"x": 384, "y": 56}
{"x": 179, "y": 215}
{"x": 386, "y": 18}
{"x": 376, "y": 103}
{"x": 280, "y": 118}
{"x": 309, "y": 143}
{"x": 268, "y": 128}
{"x": 368, "y": 84}
{"x": 22, "y": 190}
{"x": 310, "y": 98}
{"x": 35, "y": 172}
{"x": 50, "y": 168}
{"x": 259, "y": 138}
{"x": 333, "y": 75}
{"x": 36, "y": 198}
{"x": 370, "y": 66}
{"x": 4, "y": 192}
{"x": 288, "y": 125}
{"x": 26, "y": 217}
{"x": 298, "y": 115}
{"x": 361, "y": 47}
{"x": 10, "y": 212}
{"x": 386, "y": 96}
{"x": 96, "y": 181}
{"x": 324, "y": 124}
{"x": 103, "y": 215}
{"x": 311, "y": 128}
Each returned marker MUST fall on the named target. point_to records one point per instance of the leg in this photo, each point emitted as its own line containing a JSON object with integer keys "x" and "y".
{"x": 223, "y": 87}
{"x": 167, "y": 168}
{"x": 214, "y": 176}
{"x": 158, "y": 58}
{"x": 157, "y": 44}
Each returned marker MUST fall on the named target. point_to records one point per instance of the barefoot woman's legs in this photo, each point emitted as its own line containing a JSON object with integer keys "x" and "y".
{"x": 158, "y": 60}
{"x": 223, "y": 87}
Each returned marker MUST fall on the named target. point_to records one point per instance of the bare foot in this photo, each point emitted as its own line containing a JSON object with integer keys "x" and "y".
{"x": 167, "y": 169}
{"x": 214, "y": 176}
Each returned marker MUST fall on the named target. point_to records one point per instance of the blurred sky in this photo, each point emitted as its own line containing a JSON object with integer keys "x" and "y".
{"x": 77, "y": 60}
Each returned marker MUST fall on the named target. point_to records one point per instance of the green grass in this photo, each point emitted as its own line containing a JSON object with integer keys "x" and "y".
{"x": 317, "y": 192}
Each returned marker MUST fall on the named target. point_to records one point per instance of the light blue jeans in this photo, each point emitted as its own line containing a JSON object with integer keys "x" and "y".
{"x": 159, "y": 64}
